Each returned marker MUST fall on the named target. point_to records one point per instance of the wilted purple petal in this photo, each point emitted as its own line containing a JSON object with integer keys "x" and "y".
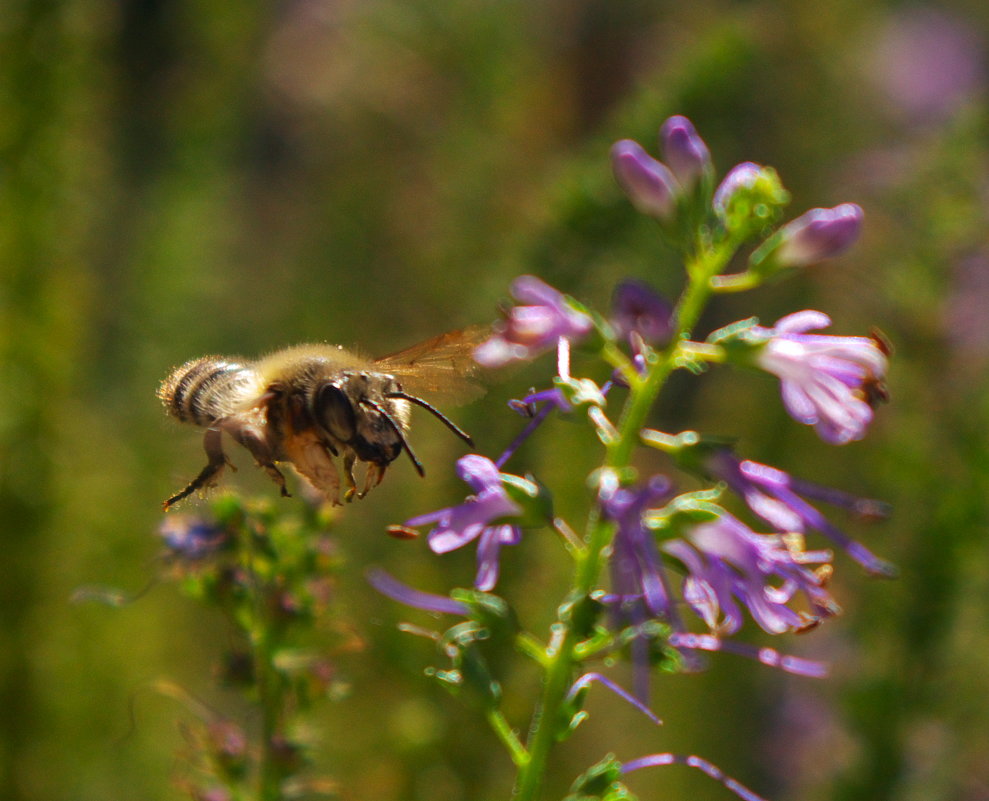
{"x": 637, "y": 308}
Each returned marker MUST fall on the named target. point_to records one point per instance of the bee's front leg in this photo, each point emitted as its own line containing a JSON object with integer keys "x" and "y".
{"x": 348, "y": 473}
{"x": 208, "y": 476}
{"x": 374, "y": 475}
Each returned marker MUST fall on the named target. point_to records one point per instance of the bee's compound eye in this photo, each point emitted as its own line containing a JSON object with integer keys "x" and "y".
{"x": 335, "y": 412}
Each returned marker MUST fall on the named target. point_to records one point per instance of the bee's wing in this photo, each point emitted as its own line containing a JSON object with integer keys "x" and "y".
{"x": 440, "y": 368}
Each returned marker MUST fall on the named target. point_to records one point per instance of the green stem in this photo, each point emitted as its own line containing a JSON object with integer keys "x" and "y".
{"x": 508, "y": 736}
{"x": 643, "y": 391}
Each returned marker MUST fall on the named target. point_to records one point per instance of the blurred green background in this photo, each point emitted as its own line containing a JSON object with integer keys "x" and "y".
{"x": 179, "y": 178}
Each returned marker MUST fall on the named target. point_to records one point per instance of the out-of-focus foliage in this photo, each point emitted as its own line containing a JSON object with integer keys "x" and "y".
{"x": 178, "y": 178}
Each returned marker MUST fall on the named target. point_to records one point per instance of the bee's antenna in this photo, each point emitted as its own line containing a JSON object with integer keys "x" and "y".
{"x": 436, "y": 413}
{"x": 398, "y": 432}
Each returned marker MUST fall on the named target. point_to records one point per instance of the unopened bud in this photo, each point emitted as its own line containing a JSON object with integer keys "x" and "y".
{"x": 648, "y": 183}
{"x": 684, "y": 151}
{"x": 818, "y": 235}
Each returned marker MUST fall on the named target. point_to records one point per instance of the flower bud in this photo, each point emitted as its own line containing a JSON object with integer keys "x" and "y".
{"x": 818, "y": 235}
{"x": 740, "y": 178}
{"x": 685, "y": 151}
{"x": 648, "y": 183}
{"x": 749, "y": 198}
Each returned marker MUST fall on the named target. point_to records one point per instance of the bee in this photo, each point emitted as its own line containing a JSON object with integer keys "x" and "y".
{"x": 307, "y": 404}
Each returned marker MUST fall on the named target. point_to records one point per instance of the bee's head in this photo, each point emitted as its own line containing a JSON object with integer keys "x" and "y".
{"x": 355, "y": 410}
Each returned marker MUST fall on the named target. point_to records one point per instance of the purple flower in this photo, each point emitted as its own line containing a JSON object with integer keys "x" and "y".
{"x": 818, "y": 234}
{"x": 533, "y": 328}
{"x": 640, "y": 588}
{"x": 729, "y": 567}
{"x": 685, "y": 151}
{"x": 638, "y": 309}
{"x": 191, "y": 538}
{"x": 775, "y": 496}
{"x": 649, "y": 183}
{"x": 483, "y": 516}
{"x": 829, "y": 382}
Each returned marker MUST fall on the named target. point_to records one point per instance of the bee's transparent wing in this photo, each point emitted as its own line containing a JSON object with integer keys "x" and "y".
{"x": 441, "y": 368}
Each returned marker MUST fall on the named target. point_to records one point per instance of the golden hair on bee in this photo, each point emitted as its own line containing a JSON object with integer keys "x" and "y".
{"x": 308, "y": 404}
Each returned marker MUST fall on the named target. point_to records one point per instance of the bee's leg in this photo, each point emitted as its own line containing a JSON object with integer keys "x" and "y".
{"x": 348, "y": 471}
{"x": 208, "y": 475}
{"x": 248, "y": 435}
{"x": 375, "y": 473}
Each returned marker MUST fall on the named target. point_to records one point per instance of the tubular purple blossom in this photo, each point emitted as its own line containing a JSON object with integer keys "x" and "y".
{"x": 483, "y": 516}
{"x": 767, "y": 656}
{"x": 776, "y": 497}
{"x": 727, "y": 563}
{"x": 640, "y": 587}
{"x": 818, "y": 234}
{"x": 829, "y": 382}
{"x": 685, "y": 151}
{"x": 649, "y": 183}
{"x": 529, "y": 330}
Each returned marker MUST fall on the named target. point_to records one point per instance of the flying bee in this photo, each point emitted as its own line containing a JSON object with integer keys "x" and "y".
{"x": 307, "y": 404}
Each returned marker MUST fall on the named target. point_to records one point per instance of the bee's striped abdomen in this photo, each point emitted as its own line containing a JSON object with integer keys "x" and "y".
{"x": 205, "y": 390}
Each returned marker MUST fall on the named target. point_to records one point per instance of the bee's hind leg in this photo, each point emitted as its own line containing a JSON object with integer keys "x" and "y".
{"x": 248, "y": 435}
{"x": 208, "y": 475}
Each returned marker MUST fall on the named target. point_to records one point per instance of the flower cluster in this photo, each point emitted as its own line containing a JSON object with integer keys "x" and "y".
{"x": 684, "y": 572}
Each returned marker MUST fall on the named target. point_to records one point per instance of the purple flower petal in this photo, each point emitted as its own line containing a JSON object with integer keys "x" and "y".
{"x": 391, "y": 587}
{"x": 587, "y": 678}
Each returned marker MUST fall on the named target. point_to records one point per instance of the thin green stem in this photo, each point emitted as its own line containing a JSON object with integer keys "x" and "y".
{"x": 531, "y": 647}
{"x": 508, "y": 736}
{"x": 643, "y": 391}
